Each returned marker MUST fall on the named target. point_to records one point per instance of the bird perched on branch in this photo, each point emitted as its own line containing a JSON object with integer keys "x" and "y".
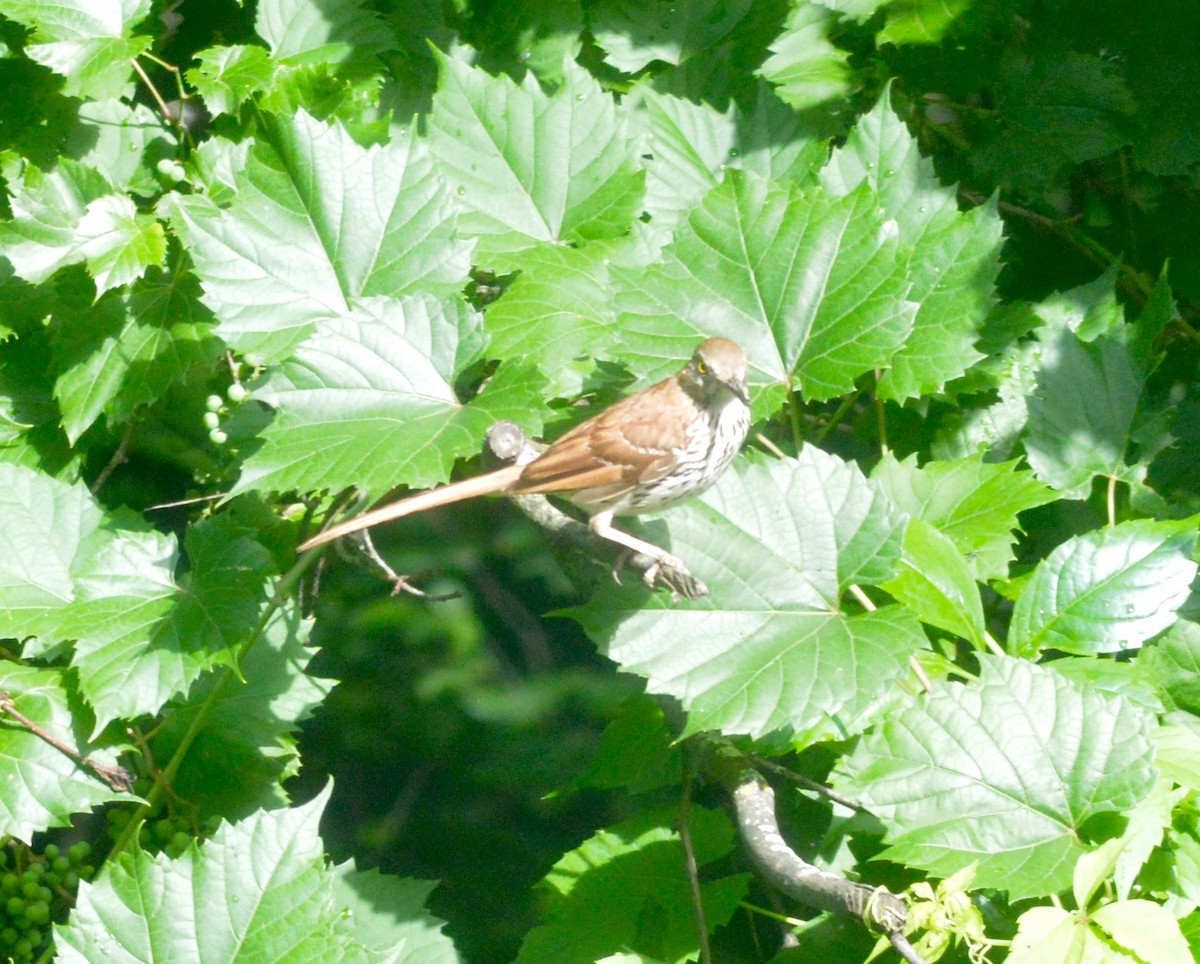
{"x": 646, "y": 452}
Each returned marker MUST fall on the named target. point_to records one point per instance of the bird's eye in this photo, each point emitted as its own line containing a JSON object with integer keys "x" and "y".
{"x": 701, "y": 368}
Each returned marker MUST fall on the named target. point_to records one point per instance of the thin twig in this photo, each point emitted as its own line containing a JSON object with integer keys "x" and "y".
{"x": 848, "y": 802}
{"x": 182, "y": 502}
{"x": 693, "y": 872}
{"x": 118, "y": 778}
{"x": 769, "y": 445}
{"x": 175, "y": 122}
{"x": 119, "y": 457}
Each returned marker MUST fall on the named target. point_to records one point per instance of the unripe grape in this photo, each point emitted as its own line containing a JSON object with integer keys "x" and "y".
{"x": 214, "y": 402}
{"x": 237, "y": 393}
{"x": 211, "y": 420}
{"x": 15, "y": 907}
{"x": 38, "y": 912}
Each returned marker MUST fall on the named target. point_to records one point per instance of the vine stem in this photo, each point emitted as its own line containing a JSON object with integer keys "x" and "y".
{"x": 283, "y": 590}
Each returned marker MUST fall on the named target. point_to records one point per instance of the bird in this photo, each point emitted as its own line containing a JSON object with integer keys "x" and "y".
{"x": 646, "y": 452}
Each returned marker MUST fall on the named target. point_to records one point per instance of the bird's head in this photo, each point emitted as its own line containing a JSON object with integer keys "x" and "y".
{"x": 717, "y": 368}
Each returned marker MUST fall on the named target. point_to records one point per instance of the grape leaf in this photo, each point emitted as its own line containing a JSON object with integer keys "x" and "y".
{"x": 806, "y": 68}
{"x": 259, "y": 889}
{"x": 1082, "y": 415}
{"x": 811, "y": 286}
{"x": 127, "y": 349}
{"x": 89, "y": 43}
{"x": 626, "y": 887}
{"x": 43, "y": 787}
{"x": 320, "y": 32}
{"x": 357, "y": 222}
{"x": 935, "y": 582}
{"x": 776, "y": 544}
{"x": 244, "y": 746}
{"x": 68, "y": 216}
{"x": 633, "y": 33}
{"x": 528, "y": 167}
{"x": 973, "y": 503}
{"x": 1001, "y": 772}
{"x": 369, "y": 400}
{"x": 1106, "y": 590}
{"x": 953, "y": 257}
{"x": 227, "y": 77}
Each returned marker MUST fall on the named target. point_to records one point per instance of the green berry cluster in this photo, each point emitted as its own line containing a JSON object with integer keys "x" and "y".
{"x": 215, "y": 408}
{"x": 34, "y": 890}
{"x": 162, "y": 832}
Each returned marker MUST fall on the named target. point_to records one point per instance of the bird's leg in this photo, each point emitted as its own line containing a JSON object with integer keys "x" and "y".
{"x": 675, "y": 573}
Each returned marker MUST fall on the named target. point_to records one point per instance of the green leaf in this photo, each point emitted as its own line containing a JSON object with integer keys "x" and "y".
{"x": 770, "y": 647}
{"x": 42, "y": 786}
{"x": 257, "y": 890}
{"x": 1002, "y": 772}
{"x": 1147, "y": 929}
{"x": 227, "y": 77}
{"x": 804, "y": 66}
{"x": 527, "y": 167}
{"x": 557, "y": 311}
{"x": 120, "y": 141}
{"x": 633, "y": 33}
{"x": 387, "y": 916}
{"x": 810, "y": 286}
{"x": 74, "y": 573}
{"x": 935, "y": 582}
{"x": 140, "y": 638}
{"x": 1046, "y": 934}
{"x": 319, "y": 32}
{"x": 689, "y": 144}
{"x": 973, "y": 503}
{"x": 88, "y": 42}
{"x": 1082, "y": 415}
{"x": 117, "y": 243}
{"x": 920, "y": 21}
{"x": 1107, "y": 590}
{"x": 59, "y": 218}
{"x": 244, "y": 746}
{"x": 954, "y": 257}
{"x": 45, "y": 524}
{"x": 1177, "y": 753}
{"x": 1173, "y": 662}
{"x": 637, "y": 750}
{"x": 358, "y": 222}
{"x": 627, "y": 888}
{"x": 128, "y": 349}
{"x": 369, "y": 401}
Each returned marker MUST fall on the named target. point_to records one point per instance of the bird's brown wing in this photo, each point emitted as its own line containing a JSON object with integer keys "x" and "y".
{"x": 629, "y": 443}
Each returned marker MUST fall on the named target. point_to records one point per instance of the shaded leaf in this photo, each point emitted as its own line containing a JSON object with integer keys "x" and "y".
{"x": 804, "y": 65}
{"x": 43, "y": 787}
{"x": 633, "y": 34}
{"x": 89, "y": 43}
{"x": 1001, "y": 772}
{"x": 627, "y": 887}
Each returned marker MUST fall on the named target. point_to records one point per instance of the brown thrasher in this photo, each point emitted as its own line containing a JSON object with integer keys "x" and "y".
{"x": 646, "y": 452}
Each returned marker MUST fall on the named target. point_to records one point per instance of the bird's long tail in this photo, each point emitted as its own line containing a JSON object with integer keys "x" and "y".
{"x": 496, "y": 481}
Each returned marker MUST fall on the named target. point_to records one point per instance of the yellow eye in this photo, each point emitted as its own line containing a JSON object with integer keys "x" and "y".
{"x": 701, "y": 368}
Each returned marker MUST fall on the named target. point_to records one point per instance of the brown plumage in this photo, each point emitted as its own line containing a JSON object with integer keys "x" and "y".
{"x": 650, "y": 450}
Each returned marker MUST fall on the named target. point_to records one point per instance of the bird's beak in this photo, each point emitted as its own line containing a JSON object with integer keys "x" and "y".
{"x": 738, "y": 387}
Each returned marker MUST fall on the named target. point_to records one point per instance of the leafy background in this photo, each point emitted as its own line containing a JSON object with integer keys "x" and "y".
{"x": 255, "y": 255}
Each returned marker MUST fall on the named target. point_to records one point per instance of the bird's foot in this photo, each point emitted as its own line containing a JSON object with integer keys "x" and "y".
{"x": 670, "y": 571}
